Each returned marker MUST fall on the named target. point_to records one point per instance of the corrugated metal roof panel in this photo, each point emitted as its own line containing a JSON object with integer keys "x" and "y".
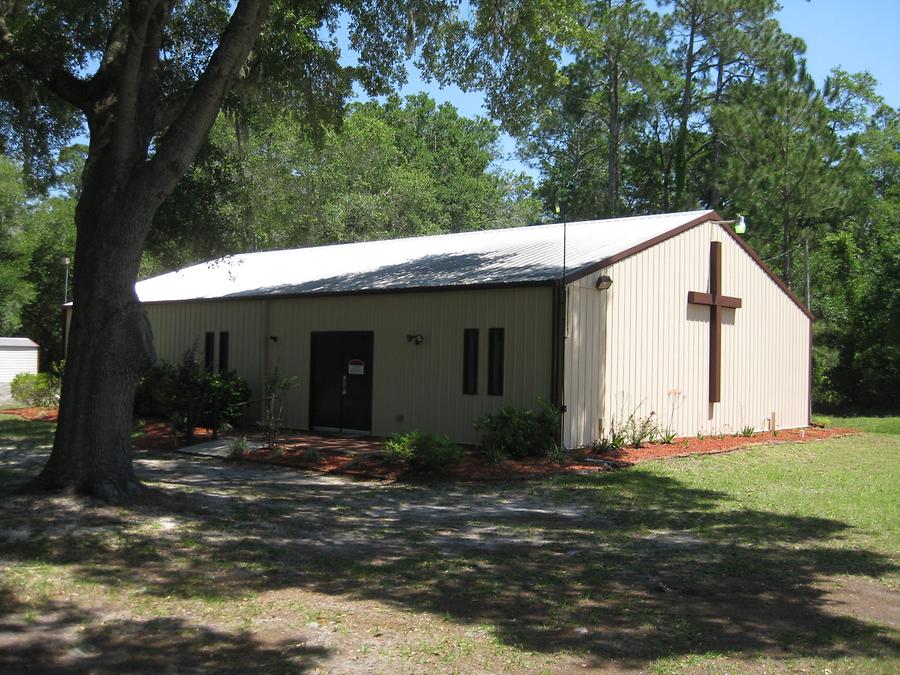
{"x": 16, "y": 342}
{"x": 515, "y": 255}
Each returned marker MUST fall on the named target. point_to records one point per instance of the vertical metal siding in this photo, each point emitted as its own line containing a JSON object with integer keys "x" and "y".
{"x": 422, "y": 383}
{"x": 179, "y": 326}
{"x": 15, "y": 360}
{"x": 658, "y": 344}
{"x": 584, "y": 357}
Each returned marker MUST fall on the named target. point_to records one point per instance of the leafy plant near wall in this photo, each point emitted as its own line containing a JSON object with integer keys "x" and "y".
{"x": 640, "y": 429}
{"x": 224, "y": 392}
{"x": 277, "y": 386}
{"x": 519, "y": 432}
{"x": 614, "y": 440}
{"x": 188, "y": 396}
{"x": 426, "y": 453}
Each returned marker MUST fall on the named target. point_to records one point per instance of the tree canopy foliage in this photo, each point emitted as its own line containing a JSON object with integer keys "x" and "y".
{"x": 708, "y": 104}
{"x": 399, "y": 168}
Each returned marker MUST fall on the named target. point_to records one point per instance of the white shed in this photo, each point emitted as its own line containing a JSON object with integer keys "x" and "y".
{"x": 672, "y": 314}
{"x": 17, "y": 355}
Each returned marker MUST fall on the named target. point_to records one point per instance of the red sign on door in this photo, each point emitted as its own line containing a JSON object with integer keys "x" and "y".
{"x": 356, "y": 367}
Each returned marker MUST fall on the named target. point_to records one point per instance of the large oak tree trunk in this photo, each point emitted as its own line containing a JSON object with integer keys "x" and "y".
{"x": 109, "y": 346}
{"x": 110, "y": 342}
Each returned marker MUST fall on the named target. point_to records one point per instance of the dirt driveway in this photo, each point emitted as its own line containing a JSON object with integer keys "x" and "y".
{"x": 241, "y": 566}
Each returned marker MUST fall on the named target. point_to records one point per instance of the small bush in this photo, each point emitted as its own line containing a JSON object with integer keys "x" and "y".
{"x": 423, "y": 452}
{"x": 557, "y": 455}
{"x": 238, "y": 448}
{"x": 639, "y": 429}
{"x": 614, "y": 441}
{"x": 36, "y": 389}
{"x": 400, "y": 447}
{"x": 746, "y": 431}
{"x": 667, "y": 436}
{"x": 312, "y": 456}
{"x": 519, "y": 432}
{"x": 277, "y": 387}
{"x": 223, "y": 394}
{"x": 189, "y": 396}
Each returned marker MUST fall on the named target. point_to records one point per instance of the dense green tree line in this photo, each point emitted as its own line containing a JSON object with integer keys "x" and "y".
{"x": 393, "y": 169}
{"x": 707, "y": 104}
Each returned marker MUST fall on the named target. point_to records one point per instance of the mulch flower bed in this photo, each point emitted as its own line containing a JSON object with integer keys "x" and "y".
{"x": 712, "y": 445}
{"x": 41, "y": 414}
{"x": 476, "y": 468}
{"x": 363, "y": 458}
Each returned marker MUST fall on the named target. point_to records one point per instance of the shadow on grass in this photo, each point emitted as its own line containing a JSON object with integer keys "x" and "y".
{"x": 650, "y": 566}
{"x": 61, "y": 637}
{"x": 25, "y": 434}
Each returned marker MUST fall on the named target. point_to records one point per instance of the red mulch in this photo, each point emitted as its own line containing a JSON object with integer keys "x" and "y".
{"x": 712, "y": 445}
{"x": 158, "y": 436}
{"x": 476, "y": 468}
{"x": 42, "y": 414}
{"x": 360, "y": 457}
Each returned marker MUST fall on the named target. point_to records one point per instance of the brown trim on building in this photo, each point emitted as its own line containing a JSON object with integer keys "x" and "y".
{"x": 768, "y": 270}
{"x": 556, "y": 339}
{"x": 810, "y": 394}
{"x": 574, "y": 275}
{"x": 558, "y": 351}
{"x": 594, "y": 267}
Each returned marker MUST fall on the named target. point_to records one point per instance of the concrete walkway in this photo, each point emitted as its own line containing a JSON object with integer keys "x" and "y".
{"x": 300, "y": 441}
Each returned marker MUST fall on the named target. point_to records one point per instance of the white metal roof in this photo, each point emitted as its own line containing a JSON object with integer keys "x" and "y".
{"x": 16, "y": 342}
{"x": 514, "y": 255}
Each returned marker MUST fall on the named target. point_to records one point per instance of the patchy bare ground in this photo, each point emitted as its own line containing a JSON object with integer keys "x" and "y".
{"x": 237, "y": 567}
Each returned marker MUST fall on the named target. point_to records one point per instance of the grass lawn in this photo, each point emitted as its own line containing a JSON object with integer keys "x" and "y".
{"x": 874, "y": 425}
{"x": 776, "y": 558}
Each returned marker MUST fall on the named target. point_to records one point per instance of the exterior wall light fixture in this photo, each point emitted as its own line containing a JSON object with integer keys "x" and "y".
{"x": 415, "y": 339}
{"x": 603, "y": 283}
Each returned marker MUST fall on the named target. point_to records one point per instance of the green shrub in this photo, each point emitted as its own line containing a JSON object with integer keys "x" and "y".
{"x": 425, "y": 453}
{"x": 224, "y": 392}
{"x": 615, "y": 440}
{"x": 400, "y": 447}
{"x": 36, "y": 389}
{"x": 519, "y": 432}
{"x": 558, "y": 455}
{"x": 189, "y": 396}
{"x": 238, "y": 448}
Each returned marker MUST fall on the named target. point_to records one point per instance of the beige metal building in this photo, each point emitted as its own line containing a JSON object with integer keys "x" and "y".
{"x": 672, "y": 314}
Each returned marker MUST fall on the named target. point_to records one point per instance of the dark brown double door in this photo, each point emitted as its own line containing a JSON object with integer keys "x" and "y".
{"x": 341, "y": 381}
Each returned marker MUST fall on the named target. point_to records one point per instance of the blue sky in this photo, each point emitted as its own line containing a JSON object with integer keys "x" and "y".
{"x": 853, "y": 34}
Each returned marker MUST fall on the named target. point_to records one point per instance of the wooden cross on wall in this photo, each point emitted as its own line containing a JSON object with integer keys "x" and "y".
{"x": 716, "y": 301}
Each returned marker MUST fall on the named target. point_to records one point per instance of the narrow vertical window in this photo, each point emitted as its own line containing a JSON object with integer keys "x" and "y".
{"x": 470, "y": 361}
{"x": 209, "y": 349}
{"x": 223, "y": 351}
{"x": 495, "y": 361}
